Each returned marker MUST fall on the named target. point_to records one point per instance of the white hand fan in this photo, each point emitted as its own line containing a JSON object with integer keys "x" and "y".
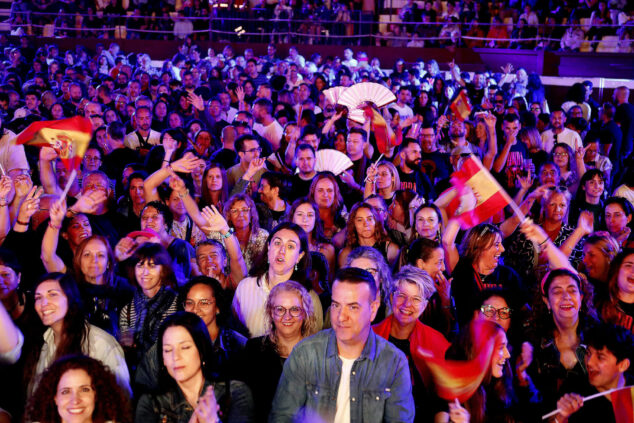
{"x": 332, "y": 94}
{"x": 332, "y": 161}
{"x": 366, "y": 92}
{"x": 357, "y": 115}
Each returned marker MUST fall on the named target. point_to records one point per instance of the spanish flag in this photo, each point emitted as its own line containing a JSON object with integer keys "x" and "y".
{"x": 385, "y": 139}
{"x": 461, "y": 106}
{"x": 68, "y": 137}
{"x": 475, "y": 195}
{"x": 623, "y": 404}
{"x": 460, "y": 379}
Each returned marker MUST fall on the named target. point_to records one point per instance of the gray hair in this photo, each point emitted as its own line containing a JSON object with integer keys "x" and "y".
{"x": 384, "y": 273}
{"x": 416, "y": 276}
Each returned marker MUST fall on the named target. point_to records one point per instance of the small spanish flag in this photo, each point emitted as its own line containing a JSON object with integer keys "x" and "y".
{"x": 461, "y": 106}
{"x": 472, "y": 179}
{"x": 68, "y": 137}
{"x": 385, "y": 139}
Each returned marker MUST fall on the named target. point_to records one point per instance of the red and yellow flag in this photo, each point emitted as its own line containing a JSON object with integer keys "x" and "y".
{"x": 472, "y": 179}
{"x": 385, "y": 139}
{"x": 68, "y": 137}
{"x": 460, "y": 379}
{"x": 623, "y": 404}
{"x": 461, "y": 106}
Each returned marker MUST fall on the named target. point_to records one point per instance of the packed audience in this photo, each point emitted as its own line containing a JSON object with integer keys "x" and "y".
{"x": 565, "y": 26}
{"x": 202, "y": 268}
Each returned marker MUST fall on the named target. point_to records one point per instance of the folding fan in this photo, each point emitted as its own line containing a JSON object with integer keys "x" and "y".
{"x": 358, "y": 116}
{"x": 332, "y": 94}
{"x": 332, "y": 161}
{"x": 366, "y": 92}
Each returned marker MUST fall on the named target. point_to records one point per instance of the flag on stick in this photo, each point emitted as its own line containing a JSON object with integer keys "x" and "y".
{"x": 459, "y": 378}
{"x": 68, "y": 137}
{"x": 384, "y": 138}
{"x": 461, "y": 106}
{"x": 475, "y": 195}
{"x": 622, "y": 404}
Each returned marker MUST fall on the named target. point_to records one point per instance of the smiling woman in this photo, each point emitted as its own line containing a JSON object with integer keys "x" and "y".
{"x": 78, "y": 388}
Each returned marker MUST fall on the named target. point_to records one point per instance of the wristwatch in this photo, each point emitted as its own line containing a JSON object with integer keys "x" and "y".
{"x": 230, "y": 232}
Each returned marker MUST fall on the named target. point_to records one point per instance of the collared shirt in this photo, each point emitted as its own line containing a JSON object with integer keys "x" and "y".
{"x": 380, "y": 383}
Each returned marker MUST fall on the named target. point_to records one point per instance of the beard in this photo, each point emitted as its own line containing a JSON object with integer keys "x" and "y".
{"x": 413, "y": 164}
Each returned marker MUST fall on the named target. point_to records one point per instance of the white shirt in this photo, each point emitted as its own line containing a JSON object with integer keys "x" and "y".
{"x": 132, "y": 139}
{"x": 342, "y": 415}
{"x": 625, "y": 192}
{"x": 11, "y": 156}
{"x": 272, "y": 132}
{"x": 567, "y": 136}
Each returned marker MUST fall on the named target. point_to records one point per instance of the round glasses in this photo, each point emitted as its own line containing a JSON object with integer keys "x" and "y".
{"x": 503, "y": 313}
{"x": 294, "y": 311}
{"x": 203, "y": 304}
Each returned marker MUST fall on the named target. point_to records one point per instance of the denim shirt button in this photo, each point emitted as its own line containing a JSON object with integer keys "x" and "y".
{"x": 316, "y": 392}
{"x": 354, "y": 373}
{"x": 353, "y": 399}
{"x": 377, "y": 398}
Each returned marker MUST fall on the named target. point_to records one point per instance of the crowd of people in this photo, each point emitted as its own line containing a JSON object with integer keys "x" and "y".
{"x": 515, "y": 24}
{"x": 201, "y": 268}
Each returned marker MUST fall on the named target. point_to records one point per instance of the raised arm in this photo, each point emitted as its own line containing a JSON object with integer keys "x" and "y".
{"x": 449, "y": 244}
{"x": 217, "y": 223}
{"x": 52, "y": 262}
{"x": 584, "y": 227}
{"x": 330, "y": 123}
{"x": 150, "y": 186}
{"x": 47, "y": 174}
{"x": 28, "y": 207}
{"x": 370, "y": 181}
{"x": 581, "y": 165}
{"x": 5, "y": 219}
{"x": 178, "y": 185}
{"x": 455, "y": 75}
{"x": 492, "y": 142}
{"x": 9, "y": 337}
{"x": 556, "y": 258}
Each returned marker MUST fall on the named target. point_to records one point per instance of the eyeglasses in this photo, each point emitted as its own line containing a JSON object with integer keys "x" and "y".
{"x": 253, "y": 150}
{"x": 203, "y": 304}
{"x": 294, "y": 311}
{"x": 14, "y": 173}
{"x": 243, "y": 210}
{"x": 402, "y": 298}
{"x": 91, "y": 159}
{"x": 503, "y": 313}
{"x": 560, "y": 154}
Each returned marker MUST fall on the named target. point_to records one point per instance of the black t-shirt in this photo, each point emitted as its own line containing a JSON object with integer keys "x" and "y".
{"x": 436, "y": 165}
{"x": 300, "y": 187}
{"x": 418, "y": 182}
{"x": 225, "y": 157}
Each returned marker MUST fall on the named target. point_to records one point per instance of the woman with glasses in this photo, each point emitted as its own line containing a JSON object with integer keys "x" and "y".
{"x": 242, "y": 216}
{"x": 409, "y": 295}
{"x": 305, "y": 213}
{"x": 364, "y": 229}
{"x": 289, "y": 309}
{"x": 286, "y": 257}
{"x": 571, "y": 166}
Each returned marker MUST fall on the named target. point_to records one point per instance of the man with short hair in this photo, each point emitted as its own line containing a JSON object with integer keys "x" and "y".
{"x": 227, "y": 155}
{"x": 250, "y": 168}
{"x": 347, "y": 373}
{"x": 610, "y": 136}
{"x": 266, "y": 125}
{"x": 305, "y": 161}
{"x": 609, "y": 355}
{"x": 402, "y": 104}
{"x": 144, "y": 137}
{"x": 559, "y": 133}
{"x": 119, "y": 156}
{"x": 624, "y": 116}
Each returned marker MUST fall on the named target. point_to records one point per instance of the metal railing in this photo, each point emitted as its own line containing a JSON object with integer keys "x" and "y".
{"x": 227, "y": 24}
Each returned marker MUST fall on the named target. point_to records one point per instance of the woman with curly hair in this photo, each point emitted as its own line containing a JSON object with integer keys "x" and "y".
{"x": 290, "y": 312}
{"x": 305, "y": 213}
{"x": 77, "y": 382}
{"x": 619, "y": 307}
{"x": 189, "y": 390}
{"x": 364, "y": 229}
{"x": 562, "y": 312}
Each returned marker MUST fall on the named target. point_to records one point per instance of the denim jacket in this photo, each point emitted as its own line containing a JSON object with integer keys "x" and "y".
{"x": 380, "y": 384}
{"x": 172, "y": 407}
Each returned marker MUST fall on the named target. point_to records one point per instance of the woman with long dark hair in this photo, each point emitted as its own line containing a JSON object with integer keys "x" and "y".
{"x": 286, "y": 257}
{"x": 188, "y": 386}
{"x": 618, "y": 308}
{"x": 324, "y": 191}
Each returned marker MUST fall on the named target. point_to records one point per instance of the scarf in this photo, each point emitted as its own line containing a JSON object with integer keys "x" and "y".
{"x": 150, "y": 312}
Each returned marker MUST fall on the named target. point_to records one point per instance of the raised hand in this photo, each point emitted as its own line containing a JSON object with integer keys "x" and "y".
{"x": 506, "y": 69}
{"x": 254, "y": 167}
{"x": 452, "y": 64}
{"x": 31, "y": 204}
{"x": 240, "y": 94}
{"x": 57, "y": 212}
{"x": 23, "y": 185}
{"x": 196, "y": 101}
{"x": 186, "y": 164}
{"x": 457, "y": 413}
{"x": 124, "y": 248}
{"x": 490, "y": 120}
{"x": 586, "y": 222}
{"x": 215, "y": 220}
{"x": 177, "y": 184}
{"x": 89, "y": 202}
{"x": 524, "y": 360}
{"x": 533, "y": 232}
{"x": 370, "y": 173}
{"x": 48, "y": 154}
{"x": 443, "y": 286}
{"x": 6, "y": 183}
{"x": 526, "y": 182}
{"x": 207, "y": 409}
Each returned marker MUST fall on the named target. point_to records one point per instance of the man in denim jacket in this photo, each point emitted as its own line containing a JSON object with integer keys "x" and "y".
{"x": 347, "y": 373}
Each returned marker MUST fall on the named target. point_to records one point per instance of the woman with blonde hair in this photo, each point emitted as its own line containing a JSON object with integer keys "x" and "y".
{"x": 289, "y": 309}
{"x": 382, "y": 179}
{"x": 533, "y": 141}
{"x": 599, "y": 250}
